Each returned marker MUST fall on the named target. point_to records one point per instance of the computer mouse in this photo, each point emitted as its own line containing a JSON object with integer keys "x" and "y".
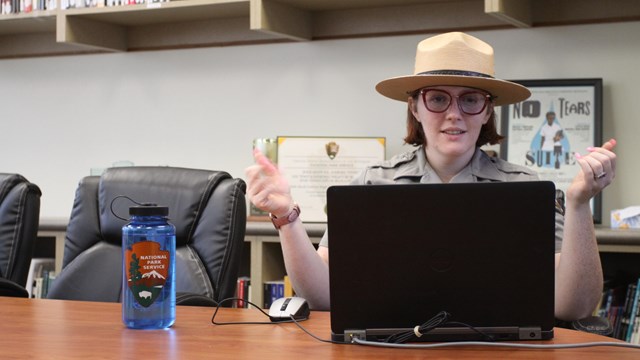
{"x": 282, "y": 309}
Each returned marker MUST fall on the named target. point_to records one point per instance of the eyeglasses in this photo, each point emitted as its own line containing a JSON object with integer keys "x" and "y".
{"x": 470, "y": 103}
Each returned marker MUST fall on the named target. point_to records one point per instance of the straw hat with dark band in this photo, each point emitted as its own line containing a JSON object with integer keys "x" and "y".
{"x": 454, "y": 59}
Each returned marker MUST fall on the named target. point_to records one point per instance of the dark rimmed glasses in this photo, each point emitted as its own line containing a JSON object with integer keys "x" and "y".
{"x": 470, "y": 103}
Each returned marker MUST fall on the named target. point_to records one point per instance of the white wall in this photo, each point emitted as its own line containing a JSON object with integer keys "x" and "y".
{"x": 201, "y": 108}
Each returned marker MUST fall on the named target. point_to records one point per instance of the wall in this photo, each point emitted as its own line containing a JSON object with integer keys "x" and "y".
{"x": 201, "y": 108}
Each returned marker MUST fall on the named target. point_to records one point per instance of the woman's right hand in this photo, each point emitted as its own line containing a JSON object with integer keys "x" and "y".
{"x": 267, "y": 189}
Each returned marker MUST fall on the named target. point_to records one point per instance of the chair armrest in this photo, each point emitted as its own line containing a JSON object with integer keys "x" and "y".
{"x": 593, "y": 324}
{"x": 191, "y": 299}
{"x": 9, "y": 288}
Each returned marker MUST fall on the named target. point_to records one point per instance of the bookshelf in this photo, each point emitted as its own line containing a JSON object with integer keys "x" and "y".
{"x": 620, "y": 257}
{"x": 265, "y": 256}
{"x": 619, "y": 250}
{"x": 204, "y": 23}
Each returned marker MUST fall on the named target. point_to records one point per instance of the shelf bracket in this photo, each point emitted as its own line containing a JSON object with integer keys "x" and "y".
{"x": 85, "y": 32}
{"x": 280, "y": 19}
{"x": 514, "y": 12}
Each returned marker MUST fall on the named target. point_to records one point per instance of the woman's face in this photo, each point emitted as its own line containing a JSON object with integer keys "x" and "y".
{"x": 451, "y": 132}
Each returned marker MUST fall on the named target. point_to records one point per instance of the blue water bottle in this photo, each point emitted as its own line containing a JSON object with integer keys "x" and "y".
{"x": 148, "y": 281}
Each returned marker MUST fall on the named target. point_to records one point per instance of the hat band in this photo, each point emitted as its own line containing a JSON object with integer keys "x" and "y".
{"x": 456, "y": 73}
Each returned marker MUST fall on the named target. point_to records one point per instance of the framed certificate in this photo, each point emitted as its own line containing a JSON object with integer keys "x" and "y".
{"x": 544, "y": 132}
{"x": 312, "y": 164}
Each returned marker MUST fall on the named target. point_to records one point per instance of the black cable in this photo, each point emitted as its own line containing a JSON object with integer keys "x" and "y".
{"x": 402, "y": 337}
{"x": 486, "y": 336}
{"x": 240, "y": 322}
{"x": 441, "y": 319}
{"x": 293, "y": 320}
{"x": 245, "y": 322}
{"x": 316, "y": 337}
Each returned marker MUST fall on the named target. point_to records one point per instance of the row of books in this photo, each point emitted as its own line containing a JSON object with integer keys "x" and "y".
{"x": 72, "y": 4}
{"x": 27, "y": 6}
{"x": 41, "y": 276}
{"x": 272, "y": 290}
{"x": 621, "y": 306}
{"x": 243, "y": 291}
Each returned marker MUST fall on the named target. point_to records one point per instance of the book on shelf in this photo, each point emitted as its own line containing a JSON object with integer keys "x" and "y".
{"x": 41, "y": 276}
{"x": 633, "y": 318}
{"x": 243, "y": 291}
{"x": 634, "y": 332}
{"x": 26, "y": 6}
{"x": 9, "y": 7}
{"x": 621, "y": 327}
{"x": 273, "y": 290}
{"x": 288, "y": 288}
{"x": 620, "y": 304}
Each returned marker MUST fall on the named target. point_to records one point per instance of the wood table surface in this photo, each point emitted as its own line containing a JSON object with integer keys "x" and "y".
{"x": 62, "y": 329}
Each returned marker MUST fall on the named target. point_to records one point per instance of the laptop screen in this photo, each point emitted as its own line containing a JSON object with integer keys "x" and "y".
{"x": 483, "y": 252}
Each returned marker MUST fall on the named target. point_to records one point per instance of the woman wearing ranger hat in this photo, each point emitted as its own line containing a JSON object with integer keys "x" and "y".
{"x": 450, "y": 100}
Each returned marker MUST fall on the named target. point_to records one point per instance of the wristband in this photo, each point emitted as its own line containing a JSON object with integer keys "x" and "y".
{"x": 278, "y": 222}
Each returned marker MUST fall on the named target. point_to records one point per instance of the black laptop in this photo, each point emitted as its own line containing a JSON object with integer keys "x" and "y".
{"x": 482, "y": 252}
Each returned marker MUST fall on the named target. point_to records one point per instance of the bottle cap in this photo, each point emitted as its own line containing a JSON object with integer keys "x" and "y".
{"x": 149, "y": 210}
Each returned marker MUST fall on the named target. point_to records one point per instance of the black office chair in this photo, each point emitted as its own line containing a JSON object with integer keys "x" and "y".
{"x": 208, "y": 209}
{"x": 591, "y": 324}
{"x": 19, "y": 219}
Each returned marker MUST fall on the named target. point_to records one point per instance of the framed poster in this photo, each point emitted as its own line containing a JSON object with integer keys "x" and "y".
{"x": 561, "y": 118}
{"x": 312, "y": 164}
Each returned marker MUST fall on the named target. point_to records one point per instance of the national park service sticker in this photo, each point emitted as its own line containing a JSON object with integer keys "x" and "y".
{"x": 147, "y": 270}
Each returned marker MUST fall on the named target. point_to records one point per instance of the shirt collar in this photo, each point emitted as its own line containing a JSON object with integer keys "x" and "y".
{"x": 414, "y": 166}
{"x": 419, "y": 170}
{"x": 484, "y": 167}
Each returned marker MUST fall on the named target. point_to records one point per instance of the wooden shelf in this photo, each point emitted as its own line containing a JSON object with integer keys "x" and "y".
{"x": 149, "y": 26}
{"x": 166, "y": 12}
{"x": 200, "y": 23}
{"x": 618, "y": 240}
{"x": 39, "y": 21}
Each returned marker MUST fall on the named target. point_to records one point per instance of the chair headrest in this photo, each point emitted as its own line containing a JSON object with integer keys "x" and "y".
{"x": 185, "y": 191}
{"x": 8, "y": 182}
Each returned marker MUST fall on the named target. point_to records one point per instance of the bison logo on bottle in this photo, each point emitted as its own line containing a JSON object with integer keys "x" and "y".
{"x": 147, "y": 269}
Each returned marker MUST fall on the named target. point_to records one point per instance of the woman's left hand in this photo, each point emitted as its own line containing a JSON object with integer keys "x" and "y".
{"x": 597, "y": 170}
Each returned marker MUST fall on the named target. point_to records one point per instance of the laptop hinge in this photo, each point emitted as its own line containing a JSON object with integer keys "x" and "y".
{"x": 530, "y": 333}
{"x": 350, "y": 335}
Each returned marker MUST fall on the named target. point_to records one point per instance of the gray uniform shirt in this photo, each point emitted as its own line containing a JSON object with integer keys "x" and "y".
{"x": 412, "y": 167}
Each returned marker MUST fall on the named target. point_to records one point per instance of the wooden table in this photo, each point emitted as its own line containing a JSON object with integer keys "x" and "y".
{"x": 61, "y": 329}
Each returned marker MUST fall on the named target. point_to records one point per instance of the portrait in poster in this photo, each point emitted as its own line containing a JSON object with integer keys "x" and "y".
{"x": 544, "y": 132}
